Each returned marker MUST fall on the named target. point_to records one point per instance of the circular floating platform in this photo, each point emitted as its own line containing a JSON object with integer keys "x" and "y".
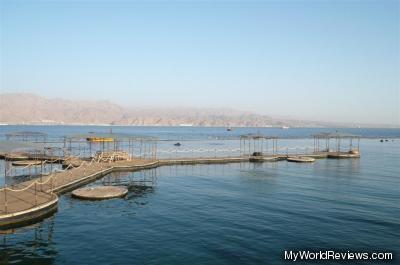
{"x": 351, "y": 154}
{"x": 300, "y": 159}
{"x": 100, "y": 193}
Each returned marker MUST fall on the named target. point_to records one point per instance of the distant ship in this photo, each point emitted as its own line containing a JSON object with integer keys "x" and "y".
{"x": 285, "y": 127}
{"x": 229, "y": 129}
{"x": 186, "y": 124}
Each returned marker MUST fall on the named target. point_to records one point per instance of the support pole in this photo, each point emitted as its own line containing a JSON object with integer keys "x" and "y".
{"x": 249, "y": 147}
{"x": 156, "y": 151}
{"x": 240, "y": 147}
{"x": 141, "y": 147}
{"x": 328, "y": 143}
{"x": 5, "y": 185}
{"x": 35, "y": 193}
{"x": 51, "y": 187}
{"x": 41, "y": 171}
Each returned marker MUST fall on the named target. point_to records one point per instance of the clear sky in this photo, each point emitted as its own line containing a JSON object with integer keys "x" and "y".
{"x": 315, "y": 60}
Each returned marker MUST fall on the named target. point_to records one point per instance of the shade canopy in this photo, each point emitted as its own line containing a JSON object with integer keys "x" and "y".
{"x": 114, "y": 136}
{"x": 257, "y": 136}
{"x": 335, "y": 135}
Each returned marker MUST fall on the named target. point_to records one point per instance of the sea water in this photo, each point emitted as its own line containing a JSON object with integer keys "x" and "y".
{"x": 244, "y": 213}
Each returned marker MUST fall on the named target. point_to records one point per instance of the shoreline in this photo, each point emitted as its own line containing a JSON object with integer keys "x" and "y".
{"x": 387, "y": 127}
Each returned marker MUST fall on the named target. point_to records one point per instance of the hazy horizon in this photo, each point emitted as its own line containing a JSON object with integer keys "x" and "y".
{"x": 307, "y": 60}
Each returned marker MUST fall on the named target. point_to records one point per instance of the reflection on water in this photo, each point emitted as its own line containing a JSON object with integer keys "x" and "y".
{"x": 128, "y": 179}
{"x": 139, "y": 184}
{"x": 141, "y": 190}
{"x": 336, "y": 167}
{"x": 29, "y": 245}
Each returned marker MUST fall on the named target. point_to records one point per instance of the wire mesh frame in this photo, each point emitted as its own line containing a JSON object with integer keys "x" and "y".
{"x": 27, "y": 136}
{"x": 145, "y": 148}
{"x": 338, "y": 146}
{"x": 258, "y": 145}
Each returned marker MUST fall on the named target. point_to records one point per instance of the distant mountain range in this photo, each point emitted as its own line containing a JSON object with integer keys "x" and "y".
{"x": 23, "y": 108}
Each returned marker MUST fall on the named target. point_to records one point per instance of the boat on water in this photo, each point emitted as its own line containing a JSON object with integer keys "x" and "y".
{"x": 285, "y": 127}
{"x": 99, "y": 139}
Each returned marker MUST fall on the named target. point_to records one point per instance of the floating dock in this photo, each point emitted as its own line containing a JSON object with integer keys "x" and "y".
{"x": 31, "y": 200}
{"x": 339, "y": 155}
{"x": 24, "y": 163}
{"x": 300, "y": 159}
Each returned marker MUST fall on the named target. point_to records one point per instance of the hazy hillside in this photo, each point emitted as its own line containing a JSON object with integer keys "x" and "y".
{"x": 33, "y": 109}
{"x": 28, "y": 108}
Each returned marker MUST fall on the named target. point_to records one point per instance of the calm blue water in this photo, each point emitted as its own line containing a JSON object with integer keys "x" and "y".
{"x": 188, "y": 133}
{"x": 225, "y": 214}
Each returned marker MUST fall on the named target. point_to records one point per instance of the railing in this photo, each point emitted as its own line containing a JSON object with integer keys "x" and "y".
{"x": 175, "y": 153}
{"x": 37, "y": 186}
{"x": 295, "y": 150}
{"x": 49, "y": 190}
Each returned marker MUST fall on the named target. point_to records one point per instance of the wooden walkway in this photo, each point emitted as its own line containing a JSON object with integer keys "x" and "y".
{"x": 26, "y": 195}
{"x": 25, "y": 198}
